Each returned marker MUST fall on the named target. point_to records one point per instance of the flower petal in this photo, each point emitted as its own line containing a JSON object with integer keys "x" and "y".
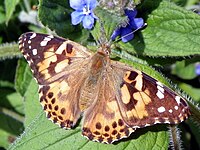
{"x": 88, "y": 22}
{"x": 131, "y": 13}
{"x": 77, "y": 17}
{"x": 137, "y": 23}
{"x": 197, "y": 69}
{"x": 93, "y": 15}
{"x": 91, "y": 3}
{"x": 126, "y": 34}
{"x": 77, "y": 4}
{"x": 116, "y": 33}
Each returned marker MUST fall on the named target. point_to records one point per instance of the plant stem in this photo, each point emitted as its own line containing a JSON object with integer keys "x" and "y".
{"x": 12, "y": 114}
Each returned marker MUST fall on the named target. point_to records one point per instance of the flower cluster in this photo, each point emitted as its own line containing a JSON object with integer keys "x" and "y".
{"x": 83, "y": 12}
{"x": 126, "y": 32}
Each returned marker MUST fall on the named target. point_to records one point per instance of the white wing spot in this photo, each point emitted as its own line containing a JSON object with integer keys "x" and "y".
{"x": 160, "y": 95}
{"x": 146, "y": 125}
{"x": 45, "y": 41}
{"x": 50, "y": 36}
{"x": 33, "y": 36}
{"x": 167, "y": 121}
{"x": 29, "y": 47}
{"x": 161, "y": 89}
{"x": 176, "y": 107}
{"x": 177, "y": 98}
{"x": 170, "y": 111}
{"x": 29, "y": 41}
{"x": 34, "y": 51}
{"x": 26, "y": 56}
{"x": 160, "y": 84}
{"x": 29, "y": 64}
{"x": 161, "y": 109}
{"x": 157, "y": 121}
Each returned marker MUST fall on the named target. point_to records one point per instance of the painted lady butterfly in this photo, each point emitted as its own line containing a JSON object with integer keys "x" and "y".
{"x": 113, "y": 98}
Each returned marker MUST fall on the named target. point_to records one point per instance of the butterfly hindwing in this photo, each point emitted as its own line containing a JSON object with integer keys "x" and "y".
{"x": 52, "y": 61}
{"x": 103, "y": 122}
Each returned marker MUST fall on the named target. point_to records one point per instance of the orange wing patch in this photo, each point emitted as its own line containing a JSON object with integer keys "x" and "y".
{"x": 59, "y": 107}
{"x": 105, "y": 125}
{"x": 144, "y": 101}
{"x": 102, "y": 121}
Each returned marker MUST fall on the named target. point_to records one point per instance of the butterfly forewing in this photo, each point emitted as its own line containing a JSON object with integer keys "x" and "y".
{"x": 144, "y": 101}
{"x": 48, "y": 56}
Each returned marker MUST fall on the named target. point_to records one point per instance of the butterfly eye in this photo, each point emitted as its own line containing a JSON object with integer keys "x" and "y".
{"x": 107, "y": 52}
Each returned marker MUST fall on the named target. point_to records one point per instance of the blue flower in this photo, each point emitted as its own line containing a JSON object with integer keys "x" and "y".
{"x": 83, "y": 12}
{"x": 197, "y": 69}
{"x": 126, "y": 32}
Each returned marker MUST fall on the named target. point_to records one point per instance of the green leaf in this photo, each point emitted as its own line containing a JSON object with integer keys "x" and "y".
{"x": 11, "y": 110}
{"x": 184, "y": 71}
{"x": 193, "y": 92}
{"x": 32, "y": 106}
{"x": 10, "y": 8}
{"x": 5, "y": 136}
{"x": 60, "y": 19}
{"x": 9, "y": 129}
{"x": 107, "y": 23}
{"x": 9, "y": 50}
{"x": 23, "y": 77}
{"x": 195, "y": 131}
{"x": 42, "y": 134}
{"x": 171, "y": 31}
{"x": 2, "y": 15}
{"x": 6, "y": 84}
{"x": 11, "y": 100}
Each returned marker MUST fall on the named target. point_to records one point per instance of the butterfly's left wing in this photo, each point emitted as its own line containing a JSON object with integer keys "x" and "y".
{"x": 49, "y": 56}
{"x": 55, "y": 63}
{"x": 144, "y": 101}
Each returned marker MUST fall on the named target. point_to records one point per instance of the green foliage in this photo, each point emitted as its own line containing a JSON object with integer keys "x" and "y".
{"x": 171, "y": 31}
{"x": 10, "y": 6}
{"x": 170, "y": 42}
{"x": 23, "y": 77}
{"x": 9, "y": 50}
{"x": 184, "y": 71}
{"x": 2, "y": 15}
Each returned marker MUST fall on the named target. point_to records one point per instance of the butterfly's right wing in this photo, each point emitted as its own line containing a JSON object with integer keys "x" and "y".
{"x": 144, "y": 101}
{"x": 55, "y": 64}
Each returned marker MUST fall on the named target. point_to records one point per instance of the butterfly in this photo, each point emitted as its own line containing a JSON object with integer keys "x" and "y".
{"x": 112, "y": 98}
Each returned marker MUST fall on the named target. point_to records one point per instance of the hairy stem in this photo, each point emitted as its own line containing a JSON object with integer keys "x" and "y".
{"x": 175, "y": 142}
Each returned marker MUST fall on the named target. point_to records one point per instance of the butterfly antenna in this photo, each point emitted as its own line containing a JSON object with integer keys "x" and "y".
{"x": 144, "y": 25}
{"x": 102, "y": 38}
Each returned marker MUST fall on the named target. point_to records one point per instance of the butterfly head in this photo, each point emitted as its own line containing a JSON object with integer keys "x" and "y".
{"x": 104, "y": 49}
